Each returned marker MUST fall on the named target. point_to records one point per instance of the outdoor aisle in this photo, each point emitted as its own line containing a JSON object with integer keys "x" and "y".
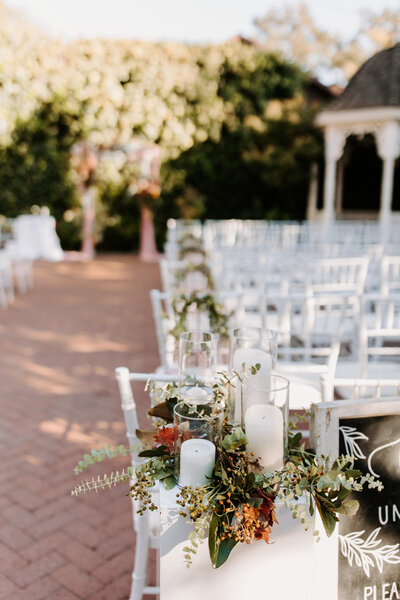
{"x": 60, "y": 344}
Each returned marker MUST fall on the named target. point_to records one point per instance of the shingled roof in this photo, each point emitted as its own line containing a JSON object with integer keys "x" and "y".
{"x": 376, "y": 83}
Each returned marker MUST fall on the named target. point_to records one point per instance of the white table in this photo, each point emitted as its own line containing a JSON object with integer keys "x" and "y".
{"x": 36, "y": 237}
{"x": 260, "y": 570}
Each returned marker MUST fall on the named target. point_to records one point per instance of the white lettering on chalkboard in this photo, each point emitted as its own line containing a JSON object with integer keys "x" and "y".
{"x": 384, "y": 514}
{"x": 388, "y": 591}
{"x": 371, "y": 470}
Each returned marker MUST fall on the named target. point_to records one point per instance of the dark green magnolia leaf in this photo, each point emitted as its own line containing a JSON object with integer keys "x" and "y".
{"x": 213, "y": 541}
{"x": 250, "y": 481}
{"x": 224, "y": 475}
{"x": 154, "y": 452}
{"x": 294, "y": 441}
{"x": 342, "y": 494}
{"x": 326, "y": 501}
{"x": 328, "y": 518}
{"x": 256, "y": 502}
{"x": 169, "y": 482}
{"x": 348, "y": 508}
{"x": 224, "y": 550}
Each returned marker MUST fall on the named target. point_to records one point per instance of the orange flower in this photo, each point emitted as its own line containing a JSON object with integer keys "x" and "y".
{"x": 165, "y": 436}
{"x": 265, "y": 516}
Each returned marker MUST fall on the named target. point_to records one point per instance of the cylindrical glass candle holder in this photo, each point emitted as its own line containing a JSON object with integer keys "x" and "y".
{"x": 197, "y": 360}
{"x": 248, "y": 347}
{"x": 265, "y": 420}
{"x": 197, "y": 433}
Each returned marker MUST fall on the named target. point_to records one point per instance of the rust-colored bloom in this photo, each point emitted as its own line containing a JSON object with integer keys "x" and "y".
{"x": 264, "y": 517}
{"x": 165, "y": 437}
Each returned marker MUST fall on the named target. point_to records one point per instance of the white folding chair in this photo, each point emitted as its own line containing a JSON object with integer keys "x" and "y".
{"x": 146, "y": 526}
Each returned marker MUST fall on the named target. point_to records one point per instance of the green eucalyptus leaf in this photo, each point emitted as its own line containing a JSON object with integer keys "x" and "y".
{"x": 169, "y": 482}
{"x": 355, "y": 473}
{"x": 348, "y": 508}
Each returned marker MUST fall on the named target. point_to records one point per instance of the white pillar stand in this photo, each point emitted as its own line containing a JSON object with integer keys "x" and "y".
{"x": 281, "y": 569}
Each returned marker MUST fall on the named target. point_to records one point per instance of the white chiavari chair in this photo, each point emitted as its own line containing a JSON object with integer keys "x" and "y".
{"x": 241, "y": 308}
{"x": 379, "y": 340}
{"x": 356, "y": 389}
{"x": 309, "y": 339}
{"x": 147, "y": 525}
{"x": 390, "y": 274}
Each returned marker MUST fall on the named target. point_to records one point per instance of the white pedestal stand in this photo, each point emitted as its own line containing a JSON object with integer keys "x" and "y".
{"x": 281, "y": 569}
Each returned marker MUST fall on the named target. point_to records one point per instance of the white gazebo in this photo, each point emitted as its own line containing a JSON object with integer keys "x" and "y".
{"x": 369, "y": 105}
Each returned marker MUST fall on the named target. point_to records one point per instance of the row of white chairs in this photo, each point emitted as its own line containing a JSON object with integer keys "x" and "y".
{"x": 285, "y": 273}
{"x": 341, "y": 237}
{"x": 351, "y": 336}
{"x": 281, "y": 274}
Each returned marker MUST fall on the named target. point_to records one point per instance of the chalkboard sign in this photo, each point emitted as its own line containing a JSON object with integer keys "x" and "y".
{"x": 366, "y": 547}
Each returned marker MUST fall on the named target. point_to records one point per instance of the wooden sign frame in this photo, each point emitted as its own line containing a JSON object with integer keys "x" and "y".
{"x": 324, "y": 438}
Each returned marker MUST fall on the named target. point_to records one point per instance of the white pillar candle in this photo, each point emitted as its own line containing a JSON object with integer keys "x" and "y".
{"x": 197, "y": 462}
{"x": 264, "y": 431}
{"x": 262, "y": 379}
{"x": 196, "y": 395}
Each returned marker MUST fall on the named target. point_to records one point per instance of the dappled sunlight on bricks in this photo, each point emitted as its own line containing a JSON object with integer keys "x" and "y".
{"x": 58, "y": 402}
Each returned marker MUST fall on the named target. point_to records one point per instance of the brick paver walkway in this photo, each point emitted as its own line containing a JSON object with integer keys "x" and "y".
{"x": 60, "y": 344}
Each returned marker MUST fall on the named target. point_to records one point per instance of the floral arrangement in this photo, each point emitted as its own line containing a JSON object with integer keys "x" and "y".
{"x": 238, "y": 502}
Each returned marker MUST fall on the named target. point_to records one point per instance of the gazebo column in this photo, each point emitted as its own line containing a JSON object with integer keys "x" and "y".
{"x": 388, "y": 142}
{"x": 386, "y": 192}
{"x": 334, "y": 142}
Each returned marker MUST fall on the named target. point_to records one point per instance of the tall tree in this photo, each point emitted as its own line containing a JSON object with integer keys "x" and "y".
{"x": 293, "y": 31}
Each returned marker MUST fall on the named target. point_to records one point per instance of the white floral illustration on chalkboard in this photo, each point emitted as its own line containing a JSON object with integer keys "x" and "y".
{"x": 364, "y": 552}
{"x": 350, "y": 435}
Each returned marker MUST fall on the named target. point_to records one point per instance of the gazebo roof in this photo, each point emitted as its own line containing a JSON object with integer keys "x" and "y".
{"x": 376, "y": 83}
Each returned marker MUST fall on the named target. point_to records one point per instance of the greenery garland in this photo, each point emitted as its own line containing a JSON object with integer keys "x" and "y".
{"x": 190, "y": 244}
{"x": 183, "y": 252}
{"x": 219, "y": 320}
{"x": 203, "y": 268}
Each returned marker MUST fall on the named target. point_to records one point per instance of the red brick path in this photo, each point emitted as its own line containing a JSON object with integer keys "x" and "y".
{"x": 60, "y": 344}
